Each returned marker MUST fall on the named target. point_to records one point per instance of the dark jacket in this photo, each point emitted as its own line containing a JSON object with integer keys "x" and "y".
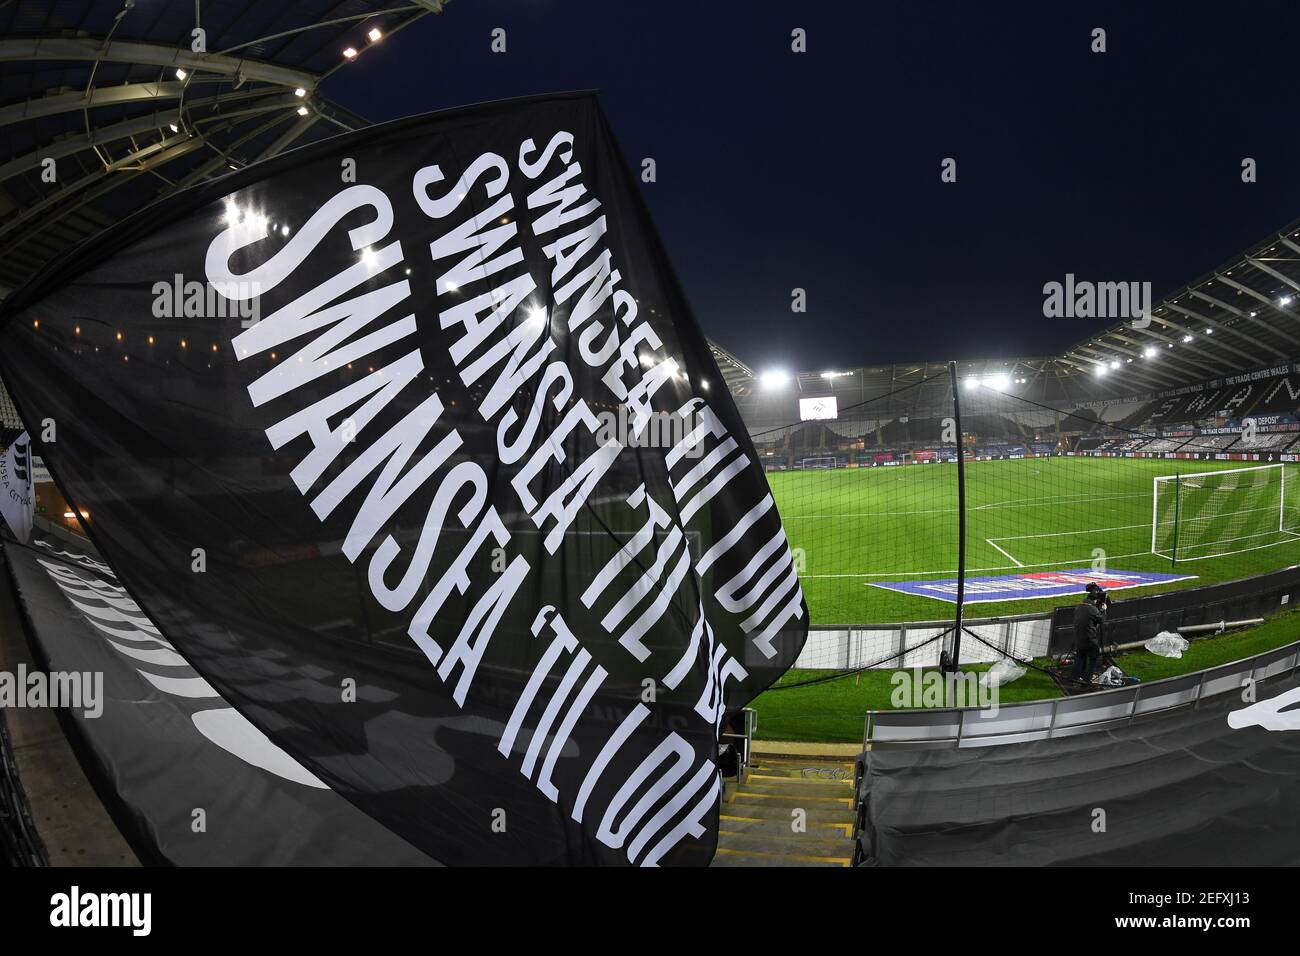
{"x": 1087, "y": 626}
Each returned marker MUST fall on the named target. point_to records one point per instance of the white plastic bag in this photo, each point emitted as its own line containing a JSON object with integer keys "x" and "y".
{"x": 1111, "y": 677}
{"x": 1003, "y": 672}
{"x": 1167, "y": 644}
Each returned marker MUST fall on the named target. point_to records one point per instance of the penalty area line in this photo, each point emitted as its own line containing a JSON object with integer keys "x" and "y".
{"x": 1005, "y": 553}
{"x": 1004, "y": 567}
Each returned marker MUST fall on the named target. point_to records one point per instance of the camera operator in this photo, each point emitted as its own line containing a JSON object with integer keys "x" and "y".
{"x": 1088, "y": 620}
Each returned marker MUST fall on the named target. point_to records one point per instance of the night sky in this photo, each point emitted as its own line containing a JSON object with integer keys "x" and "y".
{"x": 821, "y": 170}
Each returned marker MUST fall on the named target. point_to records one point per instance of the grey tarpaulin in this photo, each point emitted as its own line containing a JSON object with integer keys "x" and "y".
{"x": 167, "y": 745}
{"x": 1180, "y": 789}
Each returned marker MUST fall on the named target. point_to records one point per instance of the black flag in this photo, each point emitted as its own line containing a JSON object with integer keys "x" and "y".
{"x": 409, "y": 443}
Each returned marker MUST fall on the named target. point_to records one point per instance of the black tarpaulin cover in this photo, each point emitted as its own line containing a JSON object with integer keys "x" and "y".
{"x": 409, "y": 443}
{"x": 190, "y": 780}
{"x": 1189, "y": 788}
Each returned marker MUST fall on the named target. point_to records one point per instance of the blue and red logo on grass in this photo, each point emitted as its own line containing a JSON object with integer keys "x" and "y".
{"x": 1030, "y": 585}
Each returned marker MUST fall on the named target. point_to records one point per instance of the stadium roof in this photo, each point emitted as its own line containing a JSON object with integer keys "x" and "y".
{"x": 1244, "y": 314}
{"x": 737, "y": 375}
{"x": 113, "y": 94}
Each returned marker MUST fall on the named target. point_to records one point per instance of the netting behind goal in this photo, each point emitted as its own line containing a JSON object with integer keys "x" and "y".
{"x": 1221, "y": 513}
{"x": 813, "y": 463}
{"x": 1053, "y": 497}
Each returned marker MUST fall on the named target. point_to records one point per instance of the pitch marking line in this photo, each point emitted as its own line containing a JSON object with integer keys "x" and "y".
{"x": 1007, "y": 554}
{"x": 1043, "y": 564}
{"x": 1224, "y": 554}
{"x": 1003, "y": 567}
{"x": 1045, "y": 502}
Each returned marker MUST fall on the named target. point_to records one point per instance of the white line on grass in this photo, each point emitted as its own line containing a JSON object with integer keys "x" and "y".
{"x": 1004, "y": 567}
{"x": 1044, "y": 564}
{"x": 1005, "y": 552}
{"x": 1240, "y": 537}
{"x": 1057, "y": 498}
{"x": 1045, "y": 500}
{"x": 1012, "y": 503}
{"x": 1270, "y": 509}
{"x": 1062, "y": 534}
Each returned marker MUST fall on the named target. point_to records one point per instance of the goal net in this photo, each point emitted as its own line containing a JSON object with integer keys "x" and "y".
{"x": 1214, "y": 513}
{"x": 810, "y": 463}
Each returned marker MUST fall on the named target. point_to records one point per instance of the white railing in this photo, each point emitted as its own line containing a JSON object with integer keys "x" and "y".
{"x": 1068, "y": 716}
{"x": 906, "y": 645}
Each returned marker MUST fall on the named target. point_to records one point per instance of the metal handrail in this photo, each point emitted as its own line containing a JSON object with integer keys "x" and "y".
{"x": 751, "y": 728}
{"x": 969, "y": 622}
{"x": 745, "y": 739}
{"x": 1136, "y": 690}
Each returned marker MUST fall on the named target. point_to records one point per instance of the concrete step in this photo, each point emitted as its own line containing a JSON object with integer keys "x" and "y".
{"x": 802, "y": 770}
{"x": 781, "y": 826}
{"x": 747, "y": 795}
{"x": 797, "y": 760}
{"x": 747, "y": 856}
{"x": 797, "y": 786}
{"x": 727, "y": 856}
{"x": 805, "y": 751}
{"x": 765, "y": 810}
{"x": 808, "y": 843}
{"x": 758, "y": 813}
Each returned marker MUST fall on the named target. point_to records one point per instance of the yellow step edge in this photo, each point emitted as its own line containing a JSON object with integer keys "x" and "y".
{"x": 793, "y": 839}
{"x": 848, "y": 801}
{"x": 777, "y": 776}
{"x": 846, "y": 827}
{"x": 833, "y": 860}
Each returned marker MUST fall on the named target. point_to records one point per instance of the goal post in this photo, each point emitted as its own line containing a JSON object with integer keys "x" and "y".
{"x": 1210, "y": 514}
{"x": 827, "y": 461}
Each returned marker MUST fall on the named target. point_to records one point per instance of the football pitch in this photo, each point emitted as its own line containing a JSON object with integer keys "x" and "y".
{"x": 857, "y": 528}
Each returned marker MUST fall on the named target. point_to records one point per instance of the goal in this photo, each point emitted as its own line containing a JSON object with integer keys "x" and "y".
{"x": 829, "y": 462}
{"x": 1209, "y": 514}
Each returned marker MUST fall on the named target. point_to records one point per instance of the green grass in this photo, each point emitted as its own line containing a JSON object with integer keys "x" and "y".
{"x": 1211, "y": 652}
{"x": 855, "y": 526}
{"x": 834, "y": 711}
